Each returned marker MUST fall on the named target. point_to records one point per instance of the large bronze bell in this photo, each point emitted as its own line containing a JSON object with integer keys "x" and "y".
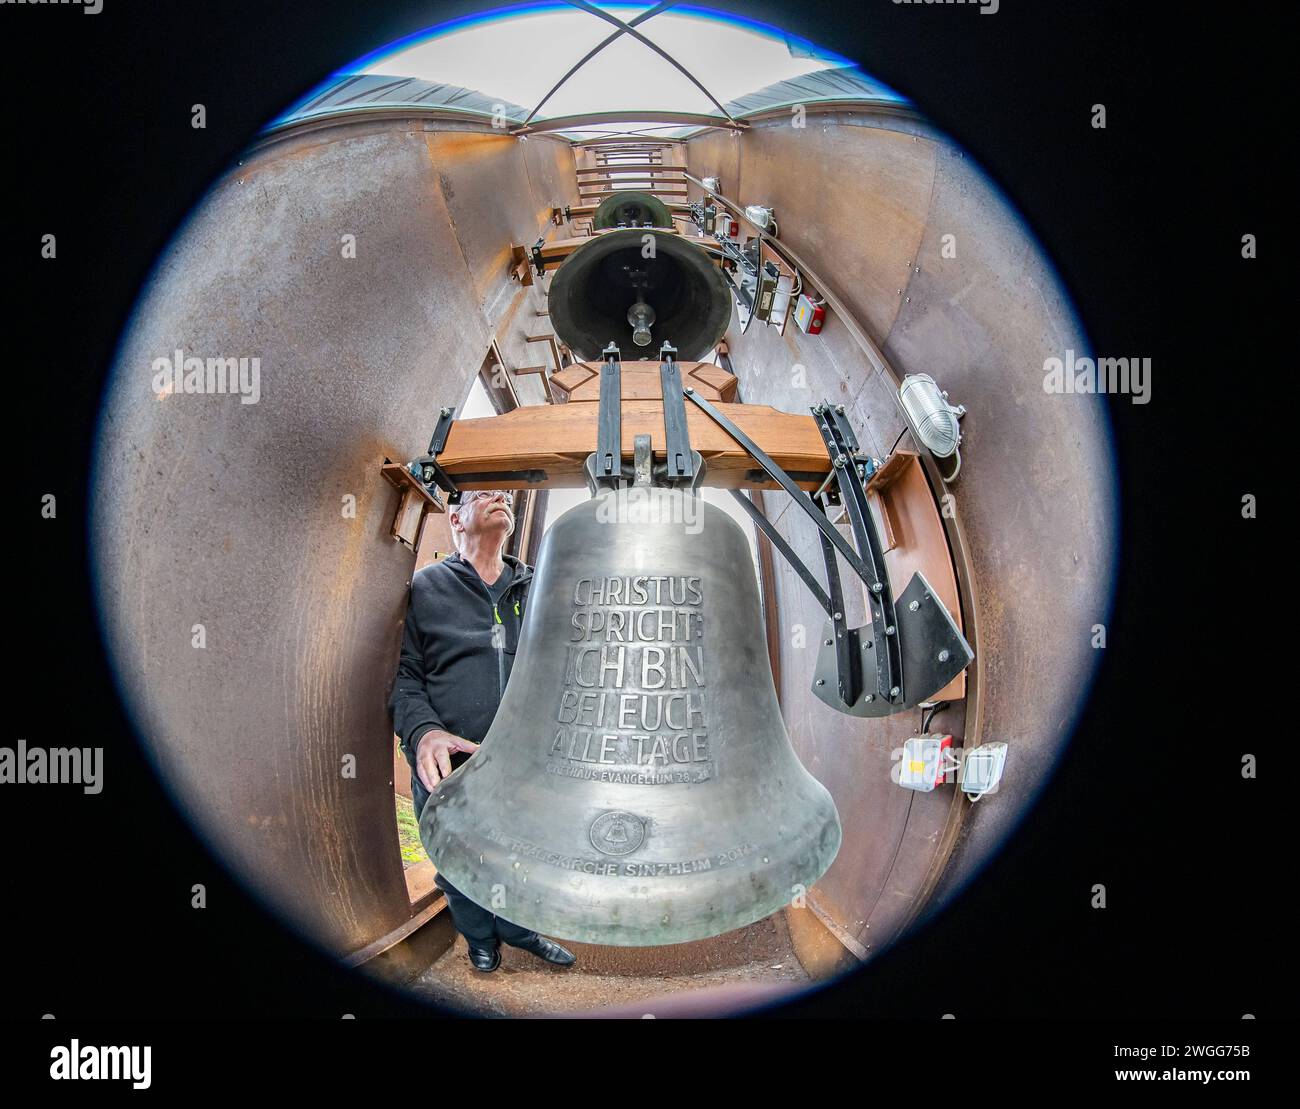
{"x": 637, "y": 786}
{"x": 601, "y": 292}
{"x": 631, "y": 209}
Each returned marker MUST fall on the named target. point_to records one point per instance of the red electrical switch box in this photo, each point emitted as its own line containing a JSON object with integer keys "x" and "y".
{"x": 926, "y": 760}
{"x": 808, "y": 315}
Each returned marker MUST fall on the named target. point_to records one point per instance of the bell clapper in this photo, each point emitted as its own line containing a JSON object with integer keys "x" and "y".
{"x": 641, "y": 316}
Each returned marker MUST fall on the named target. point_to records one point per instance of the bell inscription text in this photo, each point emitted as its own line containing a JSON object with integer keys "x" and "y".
{"x": 632, "y": 705}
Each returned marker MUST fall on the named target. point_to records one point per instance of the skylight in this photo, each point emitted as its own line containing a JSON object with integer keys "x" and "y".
{"x": 508, "y": 62}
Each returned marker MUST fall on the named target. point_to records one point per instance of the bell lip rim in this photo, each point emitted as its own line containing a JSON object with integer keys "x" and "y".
{"x": 546, "y": 924}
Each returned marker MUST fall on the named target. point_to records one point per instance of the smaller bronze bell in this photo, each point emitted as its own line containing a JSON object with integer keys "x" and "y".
{"x": 595, "y": 290}
{"x": 631, "y": 209}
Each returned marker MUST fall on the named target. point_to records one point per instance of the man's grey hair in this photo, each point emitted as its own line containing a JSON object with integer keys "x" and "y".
{"x": 456, "y": 534}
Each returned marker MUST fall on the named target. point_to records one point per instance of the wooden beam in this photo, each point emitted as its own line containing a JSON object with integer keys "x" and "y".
{"x": 521, "y": 269}
{"x": 605, "y": 193}
{"x": 560, "y": 248}
{"x": 590, "y": 183}
{"x": 577, "y": 211}
{"x": 581, "y": 381}
{"x": 890, "y": 471}
{"x": 558, "y": 438}
{"x": 555, "y": 250}
{"x": 414, "y": 507}
{"x": 589, "y": 120}
{"x": 632, "y": 166}
{"x": 905, "y": 503}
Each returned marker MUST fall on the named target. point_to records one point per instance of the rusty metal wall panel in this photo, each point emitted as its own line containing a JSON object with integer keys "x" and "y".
{"x": 714, "y": 154}
{"x": 1034, "y": 500}
{"x": 870, "y": 200}
{"x": 486, "y": 183}
{"x": 552, "y": 165}
{"x": 212, "y": 512}
{"x": 853, "y": 758}
{"x": 1037, "y": 495}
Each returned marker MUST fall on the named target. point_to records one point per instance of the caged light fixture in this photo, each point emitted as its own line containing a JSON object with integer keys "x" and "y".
{"x": 934, "y": 422}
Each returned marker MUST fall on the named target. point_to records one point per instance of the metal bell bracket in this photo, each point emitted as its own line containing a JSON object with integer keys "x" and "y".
{"x": 608, "y": 469}
{"x": 677, "y": 439}
{"x": 917, "y": 638}
{"x": 642, "y": 472}
{"x": 682, "y": 465}
{"x": 426, "y": 469}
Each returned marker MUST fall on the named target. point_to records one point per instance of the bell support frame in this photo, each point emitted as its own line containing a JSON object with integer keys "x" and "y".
{"x": 913, "y": 651}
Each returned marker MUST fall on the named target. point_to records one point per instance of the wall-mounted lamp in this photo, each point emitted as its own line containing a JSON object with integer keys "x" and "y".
{"x": 761, "y": 215}
{"x": 711, "y": 184}
{"x": 932, "y": 419}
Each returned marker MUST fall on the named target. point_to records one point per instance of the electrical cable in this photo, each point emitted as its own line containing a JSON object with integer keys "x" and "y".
{"x": 927, "y": 717}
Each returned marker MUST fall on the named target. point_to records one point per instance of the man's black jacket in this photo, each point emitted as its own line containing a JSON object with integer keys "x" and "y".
{"x": 454, "y": 667}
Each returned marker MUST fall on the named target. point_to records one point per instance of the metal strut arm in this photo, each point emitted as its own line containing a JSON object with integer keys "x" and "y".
{"x": 842, "y": 446}
{"x": 848, "y": 666}
{"x": 777, "y": 540}
{"x": 888, "y": 663}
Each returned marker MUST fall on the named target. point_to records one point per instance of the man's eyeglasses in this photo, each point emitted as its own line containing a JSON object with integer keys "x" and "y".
{"x": 468, "y": 497}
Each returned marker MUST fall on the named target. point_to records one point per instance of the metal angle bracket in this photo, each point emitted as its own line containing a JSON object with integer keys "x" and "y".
{"x": 426, "y": 469}
{"x": 441, "y": 431}
{"x": 642, "y": 471}
{"x": 934, "y": 651}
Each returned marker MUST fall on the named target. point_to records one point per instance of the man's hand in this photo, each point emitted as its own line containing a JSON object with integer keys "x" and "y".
{"x": 433, "y": 756}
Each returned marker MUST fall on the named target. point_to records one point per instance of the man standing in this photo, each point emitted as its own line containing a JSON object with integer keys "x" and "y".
{"x": 462, "y": 630}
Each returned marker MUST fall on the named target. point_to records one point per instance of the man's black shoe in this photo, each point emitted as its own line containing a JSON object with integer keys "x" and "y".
{"x": 549, "y": 950}
{"x": 484, "y": 958}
